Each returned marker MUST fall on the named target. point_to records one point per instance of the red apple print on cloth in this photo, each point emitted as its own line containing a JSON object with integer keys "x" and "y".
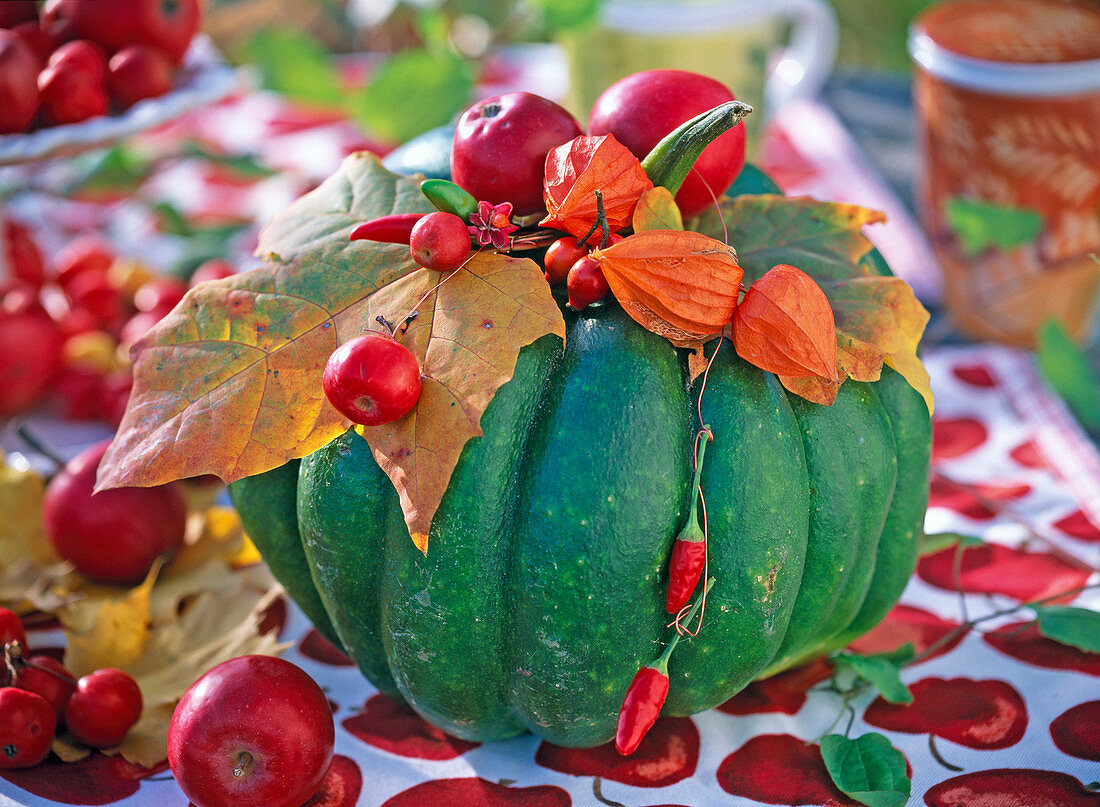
{"x": 784, "y": 693}
{"x": 780, "y": 769}
{"x": 668, "y": 754}
{"x": 976, "y": 375}
{"x": 977, "y": 714}
{"x": 395, "y": 728}
{"x": 975, "y": 501}
{"x": 1077, "y": 731}
{"x": 1077, "y": 525}
{"x": 1011, "y": 787}
{"x": 1028, "y": 455}
{"x": 996, "y": 569}
{"x": 317, "y": 647}
{"x": 905, "y": 624}
{"x": 93, "y": 780}
{"x": 1027, "y": 645}
{"x": 341, "y": 786}
{"x": 476, "y": 792}
{"x": 953, "y": 437}
{"x": 273, "y": 620}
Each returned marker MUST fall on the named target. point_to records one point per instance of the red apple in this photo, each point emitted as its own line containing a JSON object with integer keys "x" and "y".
{"x": 500, "y": 147}
{"x": 477, "y": 792}
{"x": 40, "y": 43}
{"x": 780, "y": 769}
{"x": 138, "y": 72}
{"x": 72, "y": 87}
{"x": 253, "y": 730}
{"x": 372, "y": 379}
{"x": 165, "y": 24}
{"x": 93, "y": 780}
{"x": 395, "y": 728}
{"x": 316, "y": 647}
{"x": 19, "y": 68}
{"x": 341, "y": 786}
{"x": 668, "y": 754}
{"x": 1075, "y": 731}
{"x": 953, "y": 437}
{"x": 115, "y": 535}
{"x": 998, "y": 569}
{"x": 1023, "y": 642}
{"x": 784, "y": 693}
{"x": 642, "y": 108}
{"x": 906, "y": 624}
{"x": 1011, "y": 786}
{"x": 978, "y": 714}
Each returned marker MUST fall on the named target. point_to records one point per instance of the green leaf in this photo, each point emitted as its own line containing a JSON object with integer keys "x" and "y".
{"x": 172, "y": 221}
{"x": 119, "y": 170}
{"x": 561, "y": 15}
{"x": 1067, "y": 370}
{"x": 867, "y": 769}
{"x": 296, "y": 65}
{"x": 1076, "y": 627}
{"x": 244, "y": 165}
{"x": 414, "y": 91}
{"x": 931, "y": 544}
{"x": 881, "y": 670}
{"x": 980, "y": 225}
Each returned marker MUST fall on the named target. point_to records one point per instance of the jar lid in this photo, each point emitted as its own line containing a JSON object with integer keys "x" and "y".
{"x": 1016, "y": 47}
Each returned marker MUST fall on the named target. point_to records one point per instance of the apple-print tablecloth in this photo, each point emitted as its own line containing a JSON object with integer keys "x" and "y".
{"x": 1001, "y": 716}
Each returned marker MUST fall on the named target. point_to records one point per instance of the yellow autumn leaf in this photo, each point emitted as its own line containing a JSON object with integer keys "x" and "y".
{"x": 105, "y": 629}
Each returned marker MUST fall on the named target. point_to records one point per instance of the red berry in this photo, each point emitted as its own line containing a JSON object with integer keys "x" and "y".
{"x": 30, "y": 354}
{"x": 253, "y": 730}
{"x": 95, "y": 294}
{"x": 115, "y": 535}
{"x": 11, "y": 628}
{"x": 440, "y": 241}
{"x": 47, "y": 677}
{"x": 16, "y": 12}
{"x": 560, "y": 257}
{"x": 27, "y": 726}
{"x": 104, "y": 706}
{"x": 40, "y": 43}
{"x": 372, "y": 379}
{"x": 586, "y": 283}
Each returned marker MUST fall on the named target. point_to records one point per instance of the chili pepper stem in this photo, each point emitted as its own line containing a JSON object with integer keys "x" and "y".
{"x": 700, "y": 453}
{"x": 661, "y": 663}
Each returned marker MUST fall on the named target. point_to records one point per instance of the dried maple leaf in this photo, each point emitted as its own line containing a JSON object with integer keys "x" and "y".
{"x": 467, "y": 334}
{"x": 676, "y": 283}
{"x": 657, "y": 210}
{"x": 230, "y": 382}
{"x": 784, "y": 325}
{"x": 584, "y": 165}
{"x": 878, "y": 318}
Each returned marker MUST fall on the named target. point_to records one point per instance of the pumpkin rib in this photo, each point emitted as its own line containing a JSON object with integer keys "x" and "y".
{"x": 757, "y": 494}
{"x": 452, "y": 603}
{"x": 849, "y": 453}
{"x": 896, "y": 556}
{"x": 603, "y": 481}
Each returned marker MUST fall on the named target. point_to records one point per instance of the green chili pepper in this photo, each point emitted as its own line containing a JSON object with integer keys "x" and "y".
{"x": 670, "y": 160}
{"x": 449, "y": 197}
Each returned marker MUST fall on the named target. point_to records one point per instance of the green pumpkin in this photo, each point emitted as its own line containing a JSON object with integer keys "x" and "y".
{"x": 544, "y": 587}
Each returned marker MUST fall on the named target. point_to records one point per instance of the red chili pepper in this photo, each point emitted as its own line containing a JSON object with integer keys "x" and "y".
{"x": 685, "y": 567}
{"x": 641, "y": 706}
{"x": 393, "y": 229}
{"x": 646, "y": 694}
{"x": 689, "y": 552}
